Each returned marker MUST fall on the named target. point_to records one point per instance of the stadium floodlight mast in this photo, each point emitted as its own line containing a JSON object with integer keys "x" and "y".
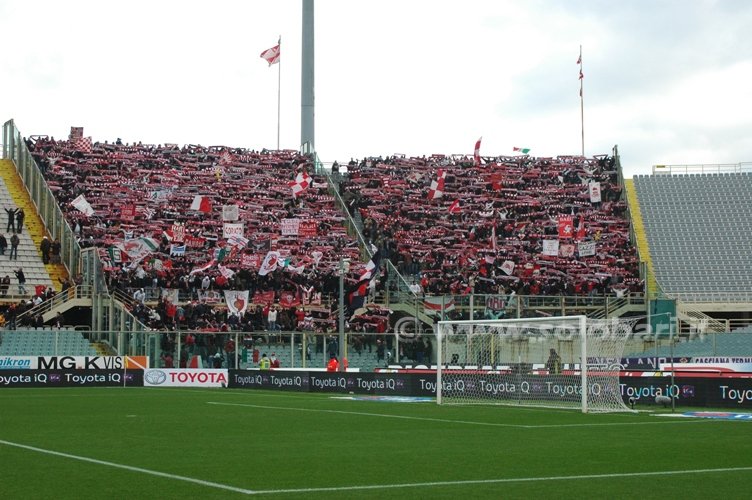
{"x": 307, "y": 124}
{"x": 558, "y": 362}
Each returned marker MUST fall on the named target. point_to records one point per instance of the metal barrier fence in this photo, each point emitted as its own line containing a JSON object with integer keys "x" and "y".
{"x": 365, "y": 351}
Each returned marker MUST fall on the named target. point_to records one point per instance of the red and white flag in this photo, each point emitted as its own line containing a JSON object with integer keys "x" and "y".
{"x": 454, "y": 208}
{"x": 270, "y": 263}
{"x": 301, "y": 183}
{"x": 566, "y": 229}
{"x": 83, "y": 144}
{"x": 437, "y": 186}
{"x": 437, "y": 303}
{"x": 201, "y": 269}
{"x": 476, "y": 153}
{"x": 581, "y": 231}
{"x": 271, "y": 55}
{"x": 201, "y": 203}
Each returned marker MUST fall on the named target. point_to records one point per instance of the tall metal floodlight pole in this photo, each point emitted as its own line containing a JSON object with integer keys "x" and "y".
{"x": 307, "y": 126}
{"x": 582, "y": 104}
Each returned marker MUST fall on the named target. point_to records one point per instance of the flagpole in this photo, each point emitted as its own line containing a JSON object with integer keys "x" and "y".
{"x": 279, "y": 91}
{"x": 582, "y": 106}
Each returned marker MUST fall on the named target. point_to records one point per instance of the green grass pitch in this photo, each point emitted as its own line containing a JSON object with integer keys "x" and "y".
{"x": 192, "y": 443}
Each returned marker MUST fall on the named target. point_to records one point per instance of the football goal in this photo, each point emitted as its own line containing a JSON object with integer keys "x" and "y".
{"x": 559, "y": 362}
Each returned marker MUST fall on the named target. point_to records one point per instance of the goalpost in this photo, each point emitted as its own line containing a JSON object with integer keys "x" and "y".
{"x": 557, "y": 362}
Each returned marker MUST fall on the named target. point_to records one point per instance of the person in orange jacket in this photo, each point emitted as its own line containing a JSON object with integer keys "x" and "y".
{"x": 332, "y": 365}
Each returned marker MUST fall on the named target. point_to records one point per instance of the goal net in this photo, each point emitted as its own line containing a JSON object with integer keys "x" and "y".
{"x": 559, "y": 362}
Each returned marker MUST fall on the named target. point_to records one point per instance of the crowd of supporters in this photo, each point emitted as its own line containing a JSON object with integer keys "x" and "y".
{"x": 487, "y": 215}
{"x": 146, "y": 191}
{"x": 497, "y": 211}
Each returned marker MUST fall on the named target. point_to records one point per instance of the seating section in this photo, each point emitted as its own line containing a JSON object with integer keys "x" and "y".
{"x": 485, "y": 227}
{"x": 44, "y": 342}
{"x": 699, "y": 229}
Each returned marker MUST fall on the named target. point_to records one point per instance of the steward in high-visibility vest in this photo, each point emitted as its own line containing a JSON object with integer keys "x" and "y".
{"x": 264, "y": 363}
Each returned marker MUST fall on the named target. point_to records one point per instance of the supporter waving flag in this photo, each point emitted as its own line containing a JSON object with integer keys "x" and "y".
{"x": 203, "y": 268}
{"x": 201, "y": 204}
{"x": 270, "y": 263}
{"x": 301, "y": 183}
{"x": 454, "y": 208}
{"x": 476, "y": 154}
{"x": 82, "y": 205}
{"x": 372, "y": 268}
{"x": 581, "y": 230}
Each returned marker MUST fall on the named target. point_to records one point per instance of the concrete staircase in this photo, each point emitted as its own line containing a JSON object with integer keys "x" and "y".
{"x": 13, "y": 194}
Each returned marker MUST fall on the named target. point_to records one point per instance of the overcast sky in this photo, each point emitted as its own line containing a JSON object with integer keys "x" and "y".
{"x": 669, "y": 82}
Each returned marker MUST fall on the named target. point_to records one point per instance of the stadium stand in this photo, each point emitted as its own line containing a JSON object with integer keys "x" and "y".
{"x": 45, "y": 342}
{"x": 699, "y": 229}
{"x": 451, "y": 226}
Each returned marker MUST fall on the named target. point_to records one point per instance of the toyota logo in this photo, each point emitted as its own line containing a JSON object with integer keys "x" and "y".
{"x": 155, "y": 377}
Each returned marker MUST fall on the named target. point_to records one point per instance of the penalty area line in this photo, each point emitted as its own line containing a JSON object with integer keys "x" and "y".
{"x": 504, "y": 480}
{"x": 450, "y": 421}
{"x": 130, "y": 468}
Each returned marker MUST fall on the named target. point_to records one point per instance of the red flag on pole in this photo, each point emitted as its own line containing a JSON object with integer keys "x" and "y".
{"x": 476, "y": 154}
{"x": 271, "y": 55}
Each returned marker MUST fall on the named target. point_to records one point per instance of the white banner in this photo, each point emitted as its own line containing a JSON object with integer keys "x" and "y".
{"x": 230, "y": 212}
{"x": 185, "y": 377}
{"x": 551, "y": 247}
{"x": 232, "y": 229}
{"x": 171, "y": 295}
{"x": 82, "y": 205}
{"x": 586, "y": 248}
{"x": 237, "y": 301}
{"x": 178, "y": 232}
{"x": 508, "y": 267}
{"x": 595, "y": 192}
{"x": 289, "y": 227}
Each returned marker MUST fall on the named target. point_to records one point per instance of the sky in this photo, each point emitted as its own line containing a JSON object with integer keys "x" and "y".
{"x": 669, "y": 82}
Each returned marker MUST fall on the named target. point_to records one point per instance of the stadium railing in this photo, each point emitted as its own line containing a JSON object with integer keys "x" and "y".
{"x": 703, "y": 168}
{"x": 14, "y": 148}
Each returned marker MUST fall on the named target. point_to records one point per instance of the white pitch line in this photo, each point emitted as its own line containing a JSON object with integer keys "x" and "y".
{"x": 131, "y": 468}
{"x": 504, "y": 480}
{"x": 372, "y": 486}
{"x": 450, "y": 421}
